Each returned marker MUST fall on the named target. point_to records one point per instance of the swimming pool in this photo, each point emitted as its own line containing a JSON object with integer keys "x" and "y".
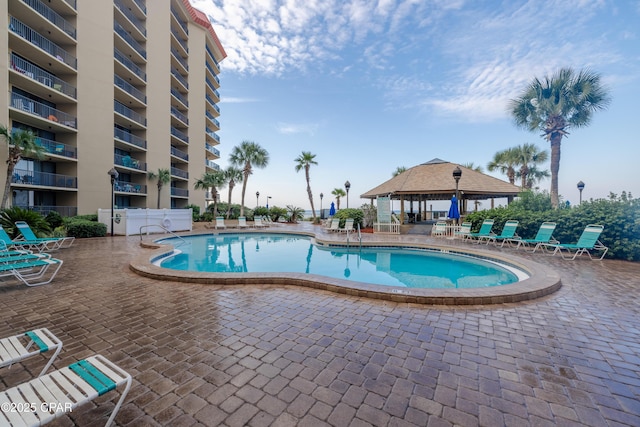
{"x": 293, "y": 253}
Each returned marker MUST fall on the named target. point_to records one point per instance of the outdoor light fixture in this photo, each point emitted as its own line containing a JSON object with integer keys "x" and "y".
{"x": 321, "y": 196}
{"x": 580, "y": 188}
{"x": 257, "y": 199}
{"x": 457, "y": 173}
{"x": 268, "y": 197}
{"x": 347, "y": 186}
{"x": 113, "y": 174}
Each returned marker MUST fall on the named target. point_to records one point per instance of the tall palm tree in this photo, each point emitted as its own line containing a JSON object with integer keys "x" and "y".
{"x": 247, "y": 156}
{"x": 338, "y": 192}
{"x": 232, "y": 175}
{"x": 163, "y": 176}
{"x": 504, "y": 161}
{"x": 304, "y": 161}
{"x": 555, "y": 104}
{"x": 213, "y": 180}
{"x": 535, "y": 175}
{"x": 399, "y": 170}
{"x": 528, "y": 157}
{"x": 473, "y": 167}
{"x": 22, "y": 143}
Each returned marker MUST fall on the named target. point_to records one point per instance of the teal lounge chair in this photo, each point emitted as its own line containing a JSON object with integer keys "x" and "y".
{"x": 508, "y": 232}
{"x": 485, "y": 230}
{"x": 587, "y": 242}
{"x": 32, "y": 272}
{"x": 544, "y": 235}
{"x": 52, "y": 243}
{"x": 25, "y": 345}
{"x": 21, "y": 244}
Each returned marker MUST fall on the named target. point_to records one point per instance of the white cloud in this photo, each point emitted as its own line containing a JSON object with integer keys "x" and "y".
{"x": 295, "y": 128}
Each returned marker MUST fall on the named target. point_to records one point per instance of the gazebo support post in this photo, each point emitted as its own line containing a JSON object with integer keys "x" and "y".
{"x": 402, "y": 209}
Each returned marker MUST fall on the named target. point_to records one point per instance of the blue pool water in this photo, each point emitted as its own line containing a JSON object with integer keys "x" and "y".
{"x": 267, "y": 252}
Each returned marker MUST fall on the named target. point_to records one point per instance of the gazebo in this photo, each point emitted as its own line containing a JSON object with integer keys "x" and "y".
{"x": 434, "y": 180}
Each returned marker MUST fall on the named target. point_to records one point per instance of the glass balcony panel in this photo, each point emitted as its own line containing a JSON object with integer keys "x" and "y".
{"x": 128, "y": 112}
{"x": 129, "y": 88}
{"x": 130, "y": 138}
{"x": 122, "y": 58}
{"x": 42, "y": 42}
{"x": 38, "y": 108}
{"x": 45, "y": 179}
{"x": 36, "y": 73}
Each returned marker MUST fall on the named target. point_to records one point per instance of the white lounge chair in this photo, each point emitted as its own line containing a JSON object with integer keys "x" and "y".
{"x": 242, "y": 222}
{"x": 257, "y": 222}
{"x": 52, "y": 395}
{"x": 348, "y": 225}
{"x": 334, "y": 225}
{"x": 23, "y": 346}
{"x": 220, "y": 222}
{"x": 439, "y": 228}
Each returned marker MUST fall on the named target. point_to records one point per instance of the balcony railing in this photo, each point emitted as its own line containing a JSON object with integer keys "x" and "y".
{"x": 180, "y": 135}
{"x": 213, "y": 89}
{"x": 179, "y": 153}
{"x": 36, "y": 73}
{"x": 122, "y": 58}
{"x": 212, "y": 56}
{"x": 180, "y": 59}
{"x": 130, "y": 138}
{"x": 128, "y": 112}
{"x": 129, "y": 162}
{"x": 213, "y": 119}
{"x": 51, "y": 16}
{"x": 211, "y": 164}
{"x": 179, "y": 40}
{"x": 180, "y": 97}
{"x": 42, "y": 42}
{"x": 179, "y": 115}
{"x": 213, "y": 103}
{"x": 131, "y": 17}
{"x": 129, "y": 88}
{"x": 179, "y": 173}
{"x": 71, "y": 3}
{"x": 179, "y": 192}
{"x": 182, "y": 24}
{"x": 129, "y": 39}
{"x": 141, "y": 4}
{"x": 212, "y": 149}
{"x": 129, "y": 187}
{"x": 39, "y": 109}
{"x": 44, "y": 210}
{"x": 212, "y": 134}
{"x": 213, "y": 73}
{"x": 58, "y": 148}
{"x": 180, "y": 78}
{"x": 45, "y": 179}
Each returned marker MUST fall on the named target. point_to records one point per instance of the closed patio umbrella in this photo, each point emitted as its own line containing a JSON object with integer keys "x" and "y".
{"x": 454, "y": 212}
{"x": 332, "y": 209}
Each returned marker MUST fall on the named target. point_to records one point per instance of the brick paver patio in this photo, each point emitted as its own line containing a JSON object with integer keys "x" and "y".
{"x": 285, "y": 356}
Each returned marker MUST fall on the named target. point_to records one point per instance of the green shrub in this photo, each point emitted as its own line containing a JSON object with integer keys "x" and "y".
{"x": 276, "y": 213}
{"x": 54, "y": 219}
{"x": 36, "y": 221}
{"x": 81, "y": 228}
{"x": 356, "y": 214}
{"x": 195, "y": 212}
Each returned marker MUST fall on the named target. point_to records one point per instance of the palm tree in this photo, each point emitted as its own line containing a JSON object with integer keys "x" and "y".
{"x": 528, "y": 157}
{"x": 22, "y": 143}
{"x": 232, "y": 175}
{"x": 505, "y": 161}
{"x": 338, "y": 192}
{"x": 212, "y": 180}
{"x": 399, "y": 170}
{"x": 556, "y": 104}
{"x": 535, "y": 175}
{"x": 473, "y": 167}
{"x": 246, "y": 156}
{"x": 163, "y": 176}
{"x": 304, "y": 161}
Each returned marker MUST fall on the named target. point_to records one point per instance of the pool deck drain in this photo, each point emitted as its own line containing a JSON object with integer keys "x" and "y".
{"x": 542, "y": 280}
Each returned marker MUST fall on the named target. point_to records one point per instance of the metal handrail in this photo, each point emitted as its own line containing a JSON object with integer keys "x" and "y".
{"x": 162, "y": 227}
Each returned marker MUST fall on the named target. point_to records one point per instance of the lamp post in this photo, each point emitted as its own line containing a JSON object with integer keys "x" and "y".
{"x": 268, "y": 197}
{"x": 347, "y": 186}
{"x": 257, "y": 199}
{"x": 321, "y": 196}
{"x": 580, "y": 188}
{"x": 113, "y": 174}
{"x": 457, "y": 173}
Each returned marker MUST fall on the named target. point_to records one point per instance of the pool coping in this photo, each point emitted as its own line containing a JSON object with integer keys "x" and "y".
{"x": 542, "y": 281}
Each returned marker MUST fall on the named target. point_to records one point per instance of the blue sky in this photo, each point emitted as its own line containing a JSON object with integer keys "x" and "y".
{"x": 370, "y": 85}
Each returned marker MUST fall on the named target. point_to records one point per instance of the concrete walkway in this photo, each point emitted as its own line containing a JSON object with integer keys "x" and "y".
{"x": 285, "y": 356}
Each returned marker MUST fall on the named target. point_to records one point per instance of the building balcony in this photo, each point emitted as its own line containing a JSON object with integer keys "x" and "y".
{"x": 212, "y": 103}
{"x": 213, "y": 120}
{"x": 216, "y": 94}
{"x": 179, "y": 173}
{"x": 183, "y": 137}
{"x": 212, "y": 150}
{"x": 181, "y": 42}
{"x": 27, "y": 178}
{"x": 179, "y": 154}
{"x": 179, "y": 192}
{"x": 212, "y": 134}
{"x": 130, "y": 66}
{"x": 127, "y": 112}
{"x": 136, "y": 22}
{"x": 180, "y": 97}
{"x": 52, "y": 18}
{"x": 180, "y": 21}
{"x": 129, "y": 163}
{"x": 58, "y": 148}
{"x": 36, "y": 74}
{"x": 29, "y": 107}
{"x": 129, "y": 187}
{"x": 130, "y": 89}
{"x": 216, "y": 79}
{"x": 38, "y": 41}
{"x": 128, "y": 38}
{"x": 179, "y": 115}
{"x": 179, "y": 59}
{"x": 129, "y": 138}
{"x": 43, "y": 210}
{"x": 141, "y": 5}
{"x": 212, "y": 165}
{"x": 180, "y": 78}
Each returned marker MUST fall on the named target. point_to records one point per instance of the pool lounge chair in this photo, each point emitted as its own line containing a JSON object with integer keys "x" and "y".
{"x": 257, "y": 222}
{"x": 544, "y": 235}
{"x": 587, "y": 242}
{"x": 465, "y": 230}
{"x": 439, "y": 229}
{"x": 23, "y": 346}
{"x": 334, "y": 225}
{"x": 37, "y": 246}
{"x": 220, "y": 222}
{"x": 485, "y": 231}
{"x": 348, "y": 226}
{"x": 53, "y": 243}
{"x": 508, "y": 232}
{"x": 32, "y": 272}
{"x": 242, "y": 222}
{"x": 61, "y": 391}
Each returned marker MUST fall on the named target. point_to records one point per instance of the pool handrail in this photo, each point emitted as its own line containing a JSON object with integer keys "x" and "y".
{"x": 162, "y": 227}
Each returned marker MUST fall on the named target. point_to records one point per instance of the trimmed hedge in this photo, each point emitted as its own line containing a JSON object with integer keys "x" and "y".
{"x": 620, "y": 217}
{"x": 356, "y": 214}
{"x": 81, "y": 228}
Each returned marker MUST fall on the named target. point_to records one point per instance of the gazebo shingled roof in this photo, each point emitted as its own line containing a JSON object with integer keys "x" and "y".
{"x": 434, "y": 181}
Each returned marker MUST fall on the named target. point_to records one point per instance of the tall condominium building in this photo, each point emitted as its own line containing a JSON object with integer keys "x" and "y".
{"x": 124, "y": 85}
